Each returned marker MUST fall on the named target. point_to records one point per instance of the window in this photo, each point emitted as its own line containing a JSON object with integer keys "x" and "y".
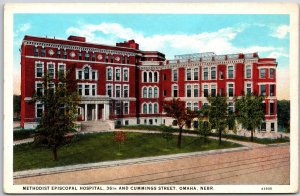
{"x": 39, "y": 69}
{"x": 39, "y": 110}
{"x": 109, "y": 74}
{"x": 196, "y": 73}
{"x": 248, "y": 88}
{"x": 175, "y": 75}
{"x": 51, "y": 87}
{"x": 144, "y": 108}
{"x": 118, "y": 91}
{"x": 126, "y": 108}
{"x": 36, "y": 51}
{"x": 51, "y": 70}
{"x": 262, "y": 73}
{"x": 155, "y": 76}
{"x": 213, "y": 73}
{"x": 86, "y": 89}
{"x": 144, "y": 76}
{"x": 61, "y": 70}
{"x": 106, "y": 58}
{"x": 86, "y": 73}
{"x": 213, "y": 90}
{"x": 155, "y": 108}
{"x": 127, "y": 60}
{"x": 271, "y": 108}
{"x": 123, "y": 60}
{"x": 272, "y": 90}
{"x": 93, "y": 56}
{"x": 150, "y": 76}
{"x": 111, "y": 58}
{"x": 188, "y": 90}
{"x": 126, "y": 122}
{"x": 196, "y": 106}
{"x": 221, "y": 75}
{"x": 65, "y": 53}
{"x": 263, "y": 90}
{"x": 39, "y": 89}
{"x": 145, "y": 92}
{"x": 248, "y": 71}
{"x": 125, "y": 91}
{"x": 93, "y": 90}
{"x": 175, "y": 91}
{"x": 196, "y": 90}
{"x": 155, "y": 92}
{"x": 80, "y": 55}
{"x": 87, "y": 56}
{"x": 150, "y": 92}
{"x": 263, "y": 126}
{"x": 205, "y": 73}
{"x": 264, "y": 108}
{"x": 125, "y": 75}
{"x": 79, "y": 89}
{"x": 188, "y": 74}
{"x": 94, "y": 75}
{"x": 205, "y": 90}
{"x": 118, "y": 74}
{"x": 230, "y": 72}
{"x": 230, "y": 90}
{"x": 43, "y": 52}
{"x": 230, "y": 107}
{"x": 195, "y": 124}
{"x": 272, "y": 126}
{"x": 150, "y": 108}
{"x": 272, "y": 73}
{"x": 79, "y": 75}
{"x": 188, "y": 106}
{"x": 118, "y": 108}
{"x": 150, "y": 121}
{"x": 109, "y": 90}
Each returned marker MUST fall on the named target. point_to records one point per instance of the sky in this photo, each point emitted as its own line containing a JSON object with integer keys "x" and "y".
{"x": 171, "y": 34}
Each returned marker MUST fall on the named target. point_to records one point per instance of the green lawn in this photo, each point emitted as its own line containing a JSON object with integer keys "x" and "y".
{"x": 99, "y": 147}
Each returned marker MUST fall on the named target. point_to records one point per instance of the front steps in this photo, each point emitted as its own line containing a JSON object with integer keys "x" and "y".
{"x": 94, "y": 126}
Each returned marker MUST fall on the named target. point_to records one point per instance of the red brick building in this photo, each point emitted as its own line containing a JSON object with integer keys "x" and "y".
{"x": 128, "y": 86}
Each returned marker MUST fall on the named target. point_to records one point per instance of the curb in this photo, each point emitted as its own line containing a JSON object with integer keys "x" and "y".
{"x": 78, "y": 167}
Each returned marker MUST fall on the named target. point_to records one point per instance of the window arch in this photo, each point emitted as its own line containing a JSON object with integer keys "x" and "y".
{"x": 155, "y": 108}
{"x": 155, "y": 92}
{"x": 150, "y": 92}
{"x": 150, "y": 77}
{"x": 145, "y": 76}
{"x": 144, "y": 108}
{"x": 155, "y": 76}
{"x": 144, "y": 92}
{"x": 150, "y": 108}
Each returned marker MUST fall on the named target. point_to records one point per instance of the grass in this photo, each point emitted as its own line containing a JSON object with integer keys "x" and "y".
{"x": 23, "y": 134}
{"x": 100, "y": 147}
{"x": 227, "y": 136}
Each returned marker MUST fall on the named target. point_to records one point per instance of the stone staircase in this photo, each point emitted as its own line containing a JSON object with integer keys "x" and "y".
{"x": 94, "y": 126}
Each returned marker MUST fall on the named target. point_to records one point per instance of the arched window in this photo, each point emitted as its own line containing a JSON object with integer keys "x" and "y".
{"x": 145, "y": 76}
{"x": 150, "y": 77}
{"x": 144, "y": 92}
{"x": 155, "y": 76}
{"x": 86, "y": 73}
{"x": 155, "y": 92}
{"x": 155, "y": 108}
{"x": 150, "y": 92}
{"x": 144, "y": 108}
{"x": 150, "y": 108}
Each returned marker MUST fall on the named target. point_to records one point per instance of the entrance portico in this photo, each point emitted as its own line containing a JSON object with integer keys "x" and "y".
{"x": 94, "y": 108}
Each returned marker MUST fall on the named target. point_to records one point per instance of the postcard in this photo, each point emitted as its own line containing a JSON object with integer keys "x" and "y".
{"x": 151, "y": 98}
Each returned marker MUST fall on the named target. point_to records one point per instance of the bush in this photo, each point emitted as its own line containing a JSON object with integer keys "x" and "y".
{"x": 23, "y": 134}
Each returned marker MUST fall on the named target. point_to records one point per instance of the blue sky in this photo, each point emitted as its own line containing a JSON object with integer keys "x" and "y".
{"x": 169, "y": 33}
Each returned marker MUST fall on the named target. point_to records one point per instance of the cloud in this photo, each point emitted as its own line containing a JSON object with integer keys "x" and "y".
{"x": 219, "y": 41}
{"x": 24, "y": 27}
{"x": 19, "y": 33}
{"x": 280, "y": 32}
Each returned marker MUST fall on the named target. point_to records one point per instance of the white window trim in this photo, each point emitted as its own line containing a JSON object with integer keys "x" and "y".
{"x": 210, "y": 70}
{"x": 270, "y": 90}
{"x": 245, "y": 74}
{"x": 144, "y": 103}
{"x": 112, "y": 73}
{"x": 53, "y": 86}
{"x": 259, "y": 73}
{"x": 145, "y": 87}
{"x": 118, "y": 68}
{"x": 208, "y": 87}
{"x": 193, "y": 93}
{"x": 227, "y": 88}
{"x": 157, "y": 79}
{"x": 186, "y": 89}
{"x": 245, "y": 88}
{"x": 112, "y": 90}
{"x": 36, "y": 103}
{"x": 36, "y": 83}
{"x": 193, "y": 105}
{"x": 90, "y": 89}
{"x": 193, "y": 73}
{"x": 174, "y": 74}
{"x": 116, "y": 85}
{"x": 148, "y": 108}
{"x": 124, "y": 74}
{"x": 58, "y": 64}
{"x": 35, "y": 68}
{"x": 208, "y": 74}
{"x": 154, "y": 92}
{"x": 270, "y": 73}
{"x": 259, "y": 88}
{"x": 123, "y": 91}
{"x": 227, "y": 71}
{"x": 186, "y": 105}
{"x": 155, "y": 103}
{"x": 172, "y": 93}
{"x": 128, "y": 107}
{"x": 96, "y": 75}
{"x": 230, "y": 106}
{"x": 143, "y": 79}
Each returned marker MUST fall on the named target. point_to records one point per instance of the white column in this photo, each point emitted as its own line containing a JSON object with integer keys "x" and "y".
{"x": 96, "y": 112}
{"x": 106, "y": 106}
{"x": 104, "y": 112}
{"x": 85, "y": 112}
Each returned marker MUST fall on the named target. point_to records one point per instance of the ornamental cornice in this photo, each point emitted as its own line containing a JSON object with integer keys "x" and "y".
{"x": 80, "y": 48}
{"x": 150, "y": 68}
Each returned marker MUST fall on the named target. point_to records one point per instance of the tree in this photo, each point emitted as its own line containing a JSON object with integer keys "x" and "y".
{"x": 177, "y": 110}
{"x": 283, "y": 114}
{"x": 204, "y": 127}
{"x": 120, "y": 137}
{"x": 60, "y": 100}
{"x": 218, "y": 114}
{"x": 249, "y": 112}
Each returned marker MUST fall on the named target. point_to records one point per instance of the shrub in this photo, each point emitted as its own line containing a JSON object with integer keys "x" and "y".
{"x": 23, "y": 134}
